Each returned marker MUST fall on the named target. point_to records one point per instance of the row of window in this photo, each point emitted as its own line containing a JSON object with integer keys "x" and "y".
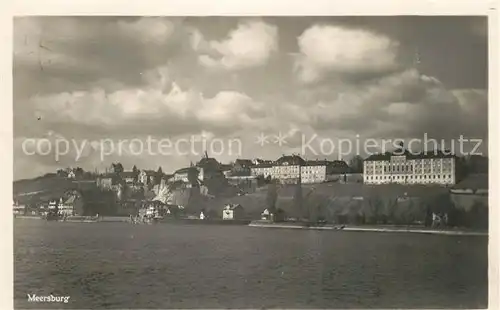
{"x": 417, "y": 177}
{"x": 424, "y": 162}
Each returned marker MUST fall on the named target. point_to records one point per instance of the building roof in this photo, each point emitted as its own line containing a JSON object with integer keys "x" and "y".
{"x": 225, "y": 167}
{"x": 291, "y": 160}
{"x": 149, "y": 172}
{"x": 263, "y": 165}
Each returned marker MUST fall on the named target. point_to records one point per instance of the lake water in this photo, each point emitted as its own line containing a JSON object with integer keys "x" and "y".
{"x": 118, "y": 265}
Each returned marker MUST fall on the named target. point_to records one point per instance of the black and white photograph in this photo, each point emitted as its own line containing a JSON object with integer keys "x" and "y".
{"x": 250, "y": 162}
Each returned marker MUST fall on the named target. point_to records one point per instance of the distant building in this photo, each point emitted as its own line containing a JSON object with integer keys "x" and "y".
{"x": 18, "y": 208}
{"x": 233, "y": 212}
{"x": 313, "y": 171}
{"x": 263, "y": 169}
{"x": 406, "y": 168}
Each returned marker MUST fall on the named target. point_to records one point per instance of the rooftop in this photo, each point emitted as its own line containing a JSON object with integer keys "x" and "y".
{"x": 291, "y": 160}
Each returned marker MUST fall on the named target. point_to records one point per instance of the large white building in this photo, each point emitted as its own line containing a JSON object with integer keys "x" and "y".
{"x": 313, "y": 172}
{"x": 287, "y": 169}
{"x": 425, "y": 168}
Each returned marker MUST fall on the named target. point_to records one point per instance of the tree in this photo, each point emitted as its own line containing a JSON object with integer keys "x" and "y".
{"x": 272, "y": 197}
{"x": 78, "y": 172}
{"x": 356, "y": 164}
{"x": 159, "y": 175}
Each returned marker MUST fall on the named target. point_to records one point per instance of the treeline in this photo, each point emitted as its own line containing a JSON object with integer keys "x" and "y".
{"x": 378, "y": 209}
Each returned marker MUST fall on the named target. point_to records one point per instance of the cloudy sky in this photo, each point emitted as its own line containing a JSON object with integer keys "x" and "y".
{"x": 87, "y": 79}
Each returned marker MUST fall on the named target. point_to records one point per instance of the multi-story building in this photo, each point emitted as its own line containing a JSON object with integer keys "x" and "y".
{"x": 425, "y": 168}
{"x": 264, "y": 169}
{"x": 313, "y": 171}
{"x": 287, "y": 169}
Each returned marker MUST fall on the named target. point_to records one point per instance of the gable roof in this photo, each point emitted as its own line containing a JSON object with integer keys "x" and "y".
{"x": 244, "y": 162}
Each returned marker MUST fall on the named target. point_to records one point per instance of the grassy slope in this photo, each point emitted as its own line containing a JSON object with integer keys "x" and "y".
{"x": 45, "y": 187}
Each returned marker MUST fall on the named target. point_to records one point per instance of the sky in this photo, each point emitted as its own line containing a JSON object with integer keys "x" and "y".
{"x": 83, "y": 84}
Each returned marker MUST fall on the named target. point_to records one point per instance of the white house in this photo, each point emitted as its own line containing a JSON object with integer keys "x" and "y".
{"x": 233, "y": 212}
{"x": 265, "y": 215}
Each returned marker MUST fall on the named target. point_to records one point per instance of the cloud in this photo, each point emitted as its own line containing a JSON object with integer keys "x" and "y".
{"x": 341, "y": 50}
{"x": 251, "y": 44}
{"x": 124, "y": 78}
{"x": 160, "y": 106}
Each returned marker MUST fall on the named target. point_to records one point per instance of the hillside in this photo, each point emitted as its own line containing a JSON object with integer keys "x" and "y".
{"x": 328, "y": 200}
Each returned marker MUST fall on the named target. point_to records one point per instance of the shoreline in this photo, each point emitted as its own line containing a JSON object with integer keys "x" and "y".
{"x": 373, "y": 229}
{"x": 291, "y": 225}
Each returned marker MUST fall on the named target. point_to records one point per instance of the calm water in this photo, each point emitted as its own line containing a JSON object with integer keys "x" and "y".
{"x": 118, "y": 265}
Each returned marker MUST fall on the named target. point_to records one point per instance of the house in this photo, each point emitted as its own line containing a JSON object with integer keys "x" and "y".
{"x": 19, "y": 208}
{"x": 71, "y": 206}
{"x": 233, "y": 212}
{"x": 106, "y": 181}
{"x": 242, "y": 167}
{"x": 71, "y": 174}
